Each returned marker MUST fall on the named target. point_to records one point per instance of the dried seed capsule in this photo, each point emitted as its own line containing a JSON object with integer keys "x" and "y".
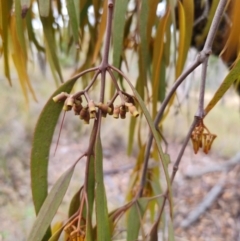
{"x": 70, "y": 101}
{"x": 60, "y": 97}
{"x": 93, "y": 115}
{"x": 83, "y": 113}
{"x": 133, "y": 110}
{"x": 86, "y": 118}
{"x": 104, "y": 108}
{"x": 123, "y": 112}
{"x": 77, "y": 109}
{"x": 91, "y": 106}
{"x": 116, "y": 112}
{"x": 111, "y": 108}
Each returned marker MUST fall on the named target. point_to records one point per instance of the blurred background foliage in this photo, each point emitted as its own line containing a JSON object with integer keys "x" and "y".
{"x": 151, "y": 41}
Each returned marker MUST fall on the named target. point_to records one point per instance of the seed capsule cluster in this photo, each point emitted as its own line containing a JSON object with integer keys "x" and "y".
{"x": 89, "y": 111}
{"x": 202, "y": 138}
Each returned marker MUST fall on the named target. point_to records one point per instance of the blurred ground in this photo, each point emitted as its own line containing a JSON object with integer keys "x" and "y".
{"x": 221, "y": 221}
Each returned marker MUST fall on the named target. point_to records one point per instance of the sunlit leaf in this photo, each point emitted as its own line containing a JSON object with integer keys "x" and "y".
{"x": 103, "y": 227}
{"x": 50, "y": 206}
{"x": 226, "y": 84}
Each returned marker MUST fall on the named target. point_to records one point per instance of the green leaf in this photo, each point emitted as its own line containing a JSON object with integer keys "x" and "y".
{"x": 170, "y": 231}
{"x": 131, "y": 132}
{"x": 135, "y": 218}
{"x": 50, "y": 206}
{"x": 19, "y": 27}
{"x": 50, "y": 45}
{"x": 157, "y": 60}
{"x": 44, "y": 7}
{"x": 143, "y": 55}
{"x": 41, "y": 145}
{"x": 5, "y": 7}
{"x": 90, "y": 196}
{"x": 233, "y": 75}
{"x": 101, "y": 32}
{"x": 56, "y": 235}
{"x": 72, "y": 12}
{"x": 118, "y": 25}
{"x": 75, "y": 203}
{"x": 103, "y": 226}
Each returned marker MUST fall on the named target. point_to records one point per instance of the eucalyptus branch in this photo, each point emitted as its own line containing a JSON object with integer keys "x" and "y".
{"x": 202, "y": 58}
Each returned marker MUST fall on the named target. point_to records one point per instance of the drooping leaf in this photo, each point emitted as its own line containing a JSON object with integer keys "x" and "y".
{"x": 44, "y": 7}
{"x": 90, "y": 198}
{"x": 118, "y": 25}
{"x": 75, "y": 203}
{"x": 131, "y": 132}
{"x": 41, "y": 145}
{"x": 50, "y": 45}
{"x": 56, "y": 235}
{"x": 19, "y": 28}
{"x": 232, "y": 76}
{"x": 5, "y": 7}
{"x": 186, "y": 18}
{"x": 152, "y": 8}
{"x": 74, "y": 21}
{"x": 171, "y": 236}
{"x": 232, "y": 44}
{"x": 102, "y": 221}
{"x": 201, "y": 37}
{"x": 143, "y": 50}
{"x": 101, "y": 31}
{"x": 157, "y": 60}
{"x": 134, "y": 221}
{"x": 50, "y": 206}
{"x": 20, "y": 61}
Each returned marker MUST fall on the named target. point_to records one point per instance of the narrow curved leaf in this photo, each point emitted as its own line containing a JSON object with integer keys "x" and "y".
{"x": 232, "y": 76}
{"x": 143, "y": 50}
{"x": 186, "y": 18}
{"x": 134, "y": 222}
{"x": 131, "y": 131}
{"x": 5, "y": 7}
{"x": 50, "y": 206}
{"x": 118, "y": 30}
{"x": 157, "y": 59}
{"x": 101, "y": 32}
{"x": 50, "y": 45}
{"x": 72, "y": 12}
{"x": 41, "y": 145}
{"x": 103, "y": 225}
